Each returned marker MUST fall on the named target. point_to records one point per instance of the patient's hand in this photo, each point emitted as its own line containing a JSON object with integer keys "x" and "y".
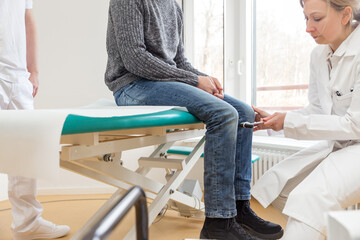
{"x": 218, "y": 86}
{"x": 208, "y": 85}
{"x": 259, "y": 116}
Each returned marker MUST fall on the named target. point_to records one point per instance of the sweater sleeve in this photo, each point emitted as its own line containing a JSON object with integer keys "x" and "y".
{"x": 127, "y": 20}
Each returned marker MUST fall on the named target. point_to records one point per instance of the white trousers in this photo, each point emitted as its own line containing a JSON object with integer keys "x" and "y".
{"x": 26, "y": 210}
{"x": 311, "y": 183}
{"x": 296, "y": 230}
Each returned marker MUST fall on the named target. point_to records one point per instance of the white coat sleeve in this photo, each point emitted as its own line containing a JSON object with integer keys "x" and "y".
{"x": 328, "y": 127}
{"x": 28, "y": 4}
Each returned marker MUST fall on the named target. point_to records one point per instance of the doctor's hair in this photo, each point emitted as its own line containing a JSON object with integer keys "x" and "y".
{"x": 340, "y": 5}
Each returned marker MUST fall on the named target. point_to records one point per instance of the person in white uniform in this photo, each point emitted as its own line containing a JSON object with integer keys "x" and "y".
{"x": 326, "y": 176}
{"x": 18, "y": 87}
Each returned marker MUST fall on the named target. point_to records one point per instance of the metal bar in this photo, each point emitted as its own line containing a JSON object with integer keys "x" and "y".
{"x": 102, "y": 178}
{"x": 101, "y": 226}
{"x": 82, "y": 151}
{"x": 165, "y": 194}
{"x": 279, "y": 108}
{"x": 161, "y": 149}
{"x": 121, "y": 173}
{"x": 283, "y": 87}
{"x": 167, "y": 163}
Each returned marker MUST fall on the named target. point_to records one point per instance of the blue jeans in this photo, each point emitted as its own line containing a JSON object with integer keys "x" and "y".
{"x": 227, "y": 154}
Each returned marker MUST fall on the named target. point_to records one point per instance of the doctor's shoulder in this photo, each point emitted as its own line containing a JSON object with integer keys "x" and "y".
{"x": 320, "y": 52}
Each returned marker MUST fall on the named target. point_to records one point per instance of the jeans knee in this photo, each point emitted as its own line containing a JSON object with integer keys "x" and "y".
{"x": 223, "y": 117}
{"x": 247, "y": 113}
{"x": 230, "y": 115}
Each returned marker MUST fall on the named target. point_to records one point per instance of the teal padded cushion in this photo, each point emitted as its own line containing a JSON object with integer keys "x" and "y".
{"x": 75, "y": 124}
{"x": 180, "y": 150}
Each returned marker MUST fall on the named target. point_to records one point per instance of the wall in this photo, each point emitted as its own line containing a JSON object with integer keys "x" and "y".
{"x": 72, "y": 52}
{"x": 72, "y": 59}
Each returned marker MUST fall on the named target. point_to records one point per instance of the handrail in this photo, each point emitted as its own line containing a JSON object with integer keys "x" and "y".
{"x": 283, "y": 87}
{"x": 279, "y": 108}
{"x": 103, "y": 223}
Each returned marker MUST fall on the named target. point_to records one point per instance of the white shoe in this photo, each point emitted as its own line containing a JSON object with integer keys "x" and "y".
{"x": 45, "y": 230}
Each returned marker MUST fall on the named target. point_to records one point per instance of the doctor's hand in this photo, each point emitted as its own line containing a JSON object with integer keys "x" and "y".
{"x": 275, "y": 121}
{"x": 208, "y": 85}
{"x": 34, "y": 79}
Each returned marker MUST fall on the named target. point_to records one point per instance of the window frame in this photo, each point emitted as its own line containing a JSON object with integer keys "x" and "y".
{"x": 188, "y": 32}
{"x": 238, "y": 46}
{"x": 239, "y": 49}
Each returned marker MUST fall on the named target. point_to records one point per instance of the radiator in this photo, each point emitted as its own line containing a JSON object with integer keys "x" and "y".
{"x": 268, "y": 158}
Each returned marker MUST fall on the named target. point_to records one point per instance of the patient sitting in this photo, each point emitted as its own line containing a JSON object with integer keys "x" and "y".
{"x": 147, "y": 66}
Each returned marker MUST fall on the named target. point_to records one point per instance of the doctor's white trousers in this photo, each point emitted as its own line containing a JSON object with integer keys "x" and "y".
{"x": 308, "y": 184}
{"x": 26, "y": 210}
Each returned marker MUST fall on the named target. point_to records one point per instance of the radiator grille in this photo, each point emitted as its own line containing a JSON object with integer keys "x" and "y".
{"x": 268, "y": 158}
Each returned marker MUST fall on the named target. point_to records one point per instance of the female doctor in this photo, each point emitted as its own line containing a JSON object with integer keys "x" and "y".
{"x": 326, "y": 176}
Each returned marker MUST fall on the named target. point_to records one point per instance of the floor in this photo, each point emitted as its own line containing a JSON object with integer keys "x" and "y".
{"x": 75, "y": 210}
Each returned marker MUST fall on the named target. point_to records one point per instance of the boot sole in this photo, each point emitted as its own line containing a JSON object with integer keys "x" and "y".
{"x": 272, "y": 236}
{"x": 202, "y": 236}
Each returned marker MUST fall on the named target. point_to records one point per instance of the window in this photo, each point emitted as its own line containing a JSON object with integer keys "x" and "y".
{"x": 282, "y": 51}
{"x": 259, "y": 46}
{"x": 204, "y": 38}
{"x": 209, "y": 37}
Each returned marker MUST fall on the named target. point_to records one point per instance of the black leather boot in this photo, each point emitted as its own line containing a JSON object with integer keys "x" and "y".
{"x": 224, "y": 229}
{"x": 256, "y": 226}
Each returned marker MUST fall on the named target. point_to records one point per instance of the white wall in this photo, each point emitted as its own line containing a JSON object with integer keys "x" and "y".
{"x": 72, "y": 52}
{"x": 72, "y": 61}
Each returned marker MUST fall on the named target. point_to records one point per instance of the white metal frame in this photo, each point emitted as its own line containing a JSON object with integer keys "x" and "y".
{"x": 98, "y": 155}
{"x": 238, "y": 45}
{"x": 189, "y": 36}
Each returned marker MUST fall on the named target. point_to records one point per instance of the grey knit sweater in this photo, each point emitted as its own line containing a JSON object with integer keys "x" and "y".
{"x": 144, "y": 41}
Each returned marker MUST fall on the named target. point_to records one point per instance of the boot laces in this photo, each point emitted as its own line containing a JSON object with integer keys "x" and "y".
{"x": 247, "y": 210}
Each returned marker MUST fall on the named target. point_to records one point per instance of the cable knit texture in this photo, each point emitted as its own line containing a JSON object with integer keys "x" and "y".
{"x": 144, "y": 40}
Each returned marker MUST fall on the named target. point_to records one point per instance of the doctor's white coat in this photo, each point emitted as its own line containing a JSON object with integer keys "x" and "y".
{"x": 325, "y": 176}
